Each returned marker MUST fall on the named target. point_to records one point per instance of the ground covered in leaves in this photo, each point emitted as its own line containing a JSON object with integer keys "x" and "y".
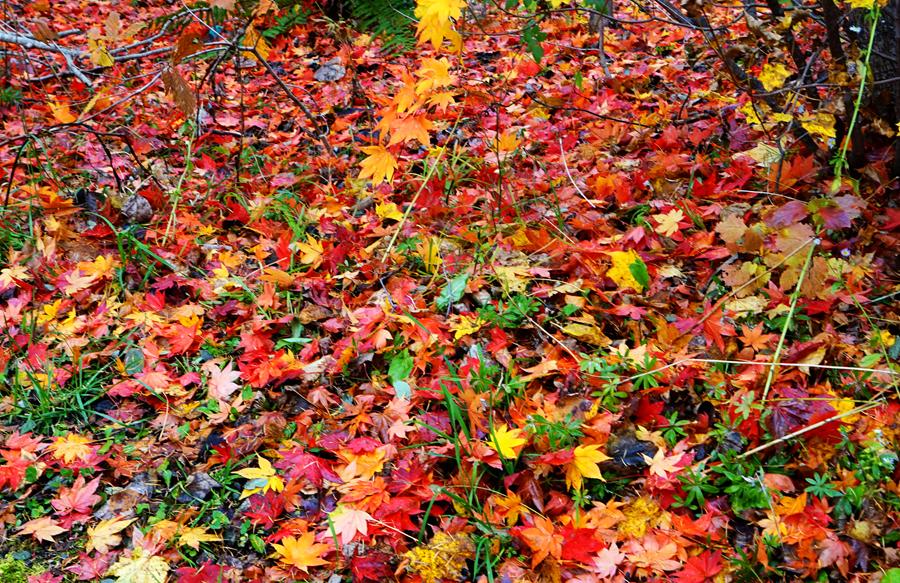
{"x": 488, "y": 319}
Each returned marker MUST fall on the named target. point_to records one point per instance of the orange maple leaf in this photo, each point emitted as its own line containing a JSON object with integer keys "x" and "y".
{"x": 543, "y": 540}
{"x": 379, "y": 166}
{"x": 302, "y": 552}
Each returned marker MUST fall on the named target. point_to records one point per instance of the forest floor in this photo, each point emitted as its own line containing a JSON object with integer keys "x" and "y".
{"x": 530, "y": 338}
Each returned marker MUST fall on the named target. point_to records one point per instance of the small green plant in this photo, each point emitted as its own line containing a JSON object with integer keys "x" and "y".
{"x": 512, "y": 314}
{"x": 696, "y": 487}
{"x": 647, "y": 378}
{"x": 820, "y": 486}
{"x": 560, "y": 434}
{"x": 674, "y": 431}
{"x": 738, "y": 478}
{"x": 609, "y": 395}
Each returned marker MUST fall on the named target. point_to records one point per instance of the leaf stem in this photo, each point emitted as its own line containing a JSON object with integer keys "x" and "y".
{"x": 795, "y": 297}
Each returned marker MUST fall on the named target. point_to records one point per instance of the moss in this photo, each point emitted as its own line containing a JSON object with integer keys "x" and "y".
{"x": 13, "y": 570}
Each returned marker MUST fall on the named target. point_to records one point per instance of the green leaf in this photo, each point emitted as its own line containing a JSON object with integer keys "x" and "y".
{"x": 453, "y": 291}
{"x": 638, "y": 269}
{"x": 891, "y": 576}
{"x": 533, "y": 36}
{"x": 401, "y": 367}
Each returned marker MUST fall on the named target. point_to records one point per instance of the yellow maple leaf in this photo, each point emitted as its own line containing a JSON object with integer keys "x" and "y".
{"x": 434, "y": 29}
{"x": 440, "y": 9}
{"x": 98, "y": 53}
{"x": 105, "y": 534}
{"x": 262, "y": 478}
{"x": 620, "y": 272}
{"x": 139, "y": 567}
{"x": 379, "y": 166}
{"x": 584, "y": 465}
{"x": 442, "y": 100}
{"x": 505, "y": 441}
{"x": 773, "y": 76}
{"x": 70, "y": 447}
{"x": 464, "y": 325}
{"x": 311, "y": 251}
{"x": 821, "y": 124}
{"x": 252, "y": 39}
{"x": 763, "y": 154}
{"x": 302, "y": 552}
{"x": 388, "y": 210}
{"x": 192, "y": 536}
{"x": 434, "y": 74}
{"x": 668, "y": 222}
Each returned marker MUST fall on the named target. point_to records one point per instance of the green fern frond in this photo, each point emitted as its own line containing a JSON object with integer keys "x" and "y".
{"x": 389, "y": 20}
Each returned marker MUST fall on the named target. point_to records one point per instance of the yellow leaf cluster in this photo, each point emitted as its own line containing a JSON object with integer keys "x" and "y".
{"x": 620, "y": 272}
{"x": 435, "y": 23}
{"x": 444, "y": 557}
{"x": 773, "y": 76}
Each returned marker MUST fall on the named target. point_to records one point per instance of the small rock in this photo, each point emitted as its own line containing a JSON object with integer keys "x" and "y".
{"x": 333, "y": 70}
{"x": 137, "y": 210}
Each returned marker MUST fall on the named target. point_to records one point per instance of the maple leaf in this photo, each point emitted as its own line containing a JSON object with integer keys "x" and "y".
{"x": 667, "y": 224}
{"x": 606, "y": 563}
{"x": 379, "y": 166}
{"x": 348, "y": 522}
{"x": 262, "y": 478}
{"x": 302, "y": 552}
{"x": 543, "y": 540}
{"x": 411, "y": 127}
{"x": 61, "y": 112}
{"x": 703, "y": 567}
{"x": 104, "y": 535}
{"x": 139, "y": 566}
{"x": 755, "y": 338}
{"x": 505, "y": 441}
{"x": 78, "y": 499}
{"x": 773, "y": 76}
{"x": 42, "y": 529}
{"x": 89, "y": 568}
{"x": 434, "y": 74}
{"x": 71, "y": 447}
{"x": 311, "y": 251}
{"x": 221, "y": 383}
{"x": 820, "y": 124}
{"x": 662, "y": 466}
{"x": 193, "y": 536}
{"x": 624, "y": 266}
{"x": 463, "y": 325}
{"x": 584, "y": 465}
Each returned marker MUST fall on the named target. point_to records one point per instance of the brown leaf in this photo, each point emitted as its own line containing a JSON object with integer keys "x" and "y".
{"x": 42, "y": 31}
{"x": 180, "y": 91}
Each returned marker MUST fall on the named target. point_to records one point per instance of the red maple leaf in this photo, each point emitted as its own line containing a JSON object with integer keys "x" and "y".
{"x": 703, "y": 567}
